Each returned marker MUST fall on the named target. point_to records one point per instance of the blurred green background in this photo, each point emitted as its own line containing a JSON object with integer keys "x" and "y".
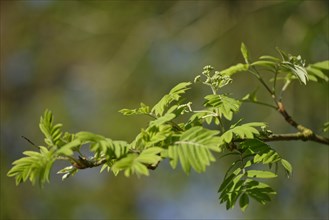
{"x": 85, "y": 60}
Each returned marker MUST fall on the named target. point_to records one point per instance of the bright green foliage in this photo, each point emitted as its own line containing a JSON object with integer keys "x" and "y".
{"x": 52, "y": 132}
{"x": 137, "y": 164}
{"x": 193, "y": 149}
{"x": 194, "y": 143}
{"x": 142, "y": 110}
{"x": 294, "y": 65}
{"x": 245, "y": 131}
{"x": 102, "y": 146}
{"x": 222, "y": 105}
{"x": 174, "y": 95}
{"x": 242, "y": 179}
{"x": 34, "y": 167}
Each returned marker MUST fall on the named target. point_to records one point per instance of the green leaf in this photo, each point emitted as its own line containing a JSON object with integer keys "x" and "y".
{"x": 316, "y": 73}
{"x": 52, "y": 132}
{"x": 137, "y": 164}
{"x": 301, "y": 73}
{"x": 287, "y": 166}
{"x": 321, "y": 65}
{"x": 267, "y": 157}
{"x": 232, "y": 191}
{"x": 34, "y": 167}
{"x": 68, "y": 148}
{"x": 142, "y": 110}
{"x": 244, "y": 52}
{"x": 87, "y": 137}
{"x": 111, "y": 148}
{"x": 264, "y": 63}
{"x": 260, "y": 174}
{"x": 270, "y": 58}
{"x": 231, "y": 180}
{"x": 117, "y": 149}
{"x": 262, "y": 152}
{"x": 150, "y": 156}
{"x": 244, "y": 201}
{"x": 163, "y": 119}
{"x": 130, "y": 166}
{"x": 223, "y": 105}
{"x": 244, "y": 131}
{"x": 294, "y": 65}
{"x": 174, "y": 95}
{"x": 193, "y": 149}
{"x": 261, "y": 192}
{"x": 235, "y": 69}
{"x": 283, "y": 54}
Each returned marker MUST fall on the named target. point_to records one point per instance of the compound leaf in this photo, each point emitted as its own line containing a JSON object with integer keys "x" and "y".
{"x": 142, "y": 110}
{"x": 52, "y": 132}
{"x": 244, "y": 131}
{"x": 193, "y": 149}
{"x": 174, "y": 95}
{"x": 34, "y": 167}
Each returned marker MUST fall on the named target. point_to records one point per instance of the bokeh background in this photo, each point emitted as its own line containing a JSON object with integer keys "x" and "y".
{"x": 85, "y": 60}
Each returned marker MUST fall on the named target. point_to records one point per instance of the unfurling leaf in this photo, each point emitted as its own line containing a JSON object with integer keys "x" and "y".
{"x": 52, "y": 132}
{"x": 244, "y": 52}
{"x": 67, "y": 172}
{"x": 34, "y": 167}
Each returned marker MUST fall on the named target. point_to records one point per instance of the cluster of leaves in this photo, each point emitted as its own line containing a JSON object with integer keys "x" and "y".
{"x": 194, "y": 143}
{"x": 241, "y": 180}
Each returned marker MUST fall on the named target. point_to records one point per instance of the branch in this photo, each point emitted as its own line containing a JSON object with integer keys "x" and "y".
{"x": 304, "y": 133}
{"x": 295, "y": 136}
{"x": 83, "y": 163}
{"x": 287, "y": 117}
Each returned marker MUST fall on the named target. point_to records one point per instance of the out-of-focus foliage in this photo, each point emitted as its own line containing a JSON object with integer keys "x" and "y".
{"x": 85, "y": 60}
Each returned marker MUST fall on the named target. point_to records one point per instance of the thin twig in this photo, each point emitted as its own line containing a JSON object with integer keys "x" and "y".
{"x": 285, "y": 86}
{"x": 261, "y": 103}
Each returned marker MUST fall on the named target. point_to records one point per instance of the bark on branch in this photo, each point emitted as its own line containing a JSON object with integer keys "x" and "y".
{"x": 304, "y": 134}
{"x": 294, "y": 137}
